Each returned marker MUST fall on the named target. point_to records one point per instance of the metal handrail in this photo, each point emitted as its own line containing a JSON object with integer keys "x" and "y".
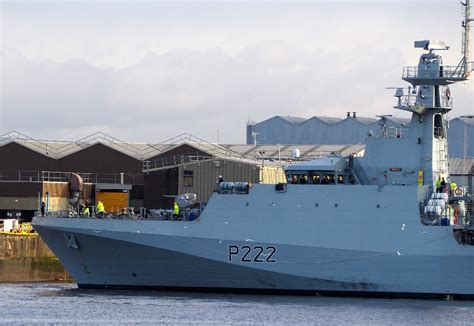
{"x": 360, "y": 173}
{"x": 445, "y": 72}
{"x": 397, "y": 132}
{"x": 411, "y": 100}
{"x": 59, "y": 176}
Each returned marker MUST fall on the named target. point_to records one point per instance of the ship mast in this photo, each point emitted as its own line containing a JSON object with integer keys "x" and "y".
{"x": 466, "y": 41}
{"x": 429, "y": 99}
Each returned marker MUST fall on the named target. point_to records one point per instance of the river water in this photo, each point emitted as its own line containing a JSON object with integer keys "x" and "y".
{"x": 59, "y": 303}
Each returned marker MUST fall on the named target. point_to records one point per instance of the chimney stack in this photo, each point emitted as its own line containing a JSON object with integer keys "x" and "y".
{"x": 348, "y": 114}
{"x": 354, "y": 115}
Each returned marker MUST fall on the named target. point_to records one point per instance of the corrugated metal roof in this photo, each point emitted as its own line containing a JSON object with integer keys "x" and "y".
{"x": 333, "y": 120}
{"x": 58, "y": 149}
{"x": 332, "y": 130}
{"x": 327, "y": 119}
{"x": 468, "y": 119}
{"x": 366, "y": 121}
{"x": 290, "y": 119}
{"x": 399, "y": 120}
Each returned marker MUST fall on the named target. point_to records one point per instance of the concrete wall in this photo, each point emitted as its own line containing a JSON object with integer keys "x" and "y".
{"x": 26, "y": 258}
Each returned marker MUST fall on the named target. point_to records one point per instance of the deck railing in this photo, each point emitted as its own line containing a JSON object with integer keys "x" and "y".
{"x": 445, "y": 72}
{"x": 411, "y": 100}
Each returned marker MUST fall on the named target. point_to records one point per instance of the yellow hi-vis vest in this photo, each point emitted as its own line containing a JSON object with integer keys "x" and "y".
{"x": 100, "y": 207}
{"x": 85, "y": 211}
{"x": 175, "y": 209}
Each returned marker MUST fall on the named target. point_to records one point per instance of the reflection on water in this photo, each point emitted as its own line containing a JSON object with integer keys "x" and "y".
{"x": 59, "y": 303}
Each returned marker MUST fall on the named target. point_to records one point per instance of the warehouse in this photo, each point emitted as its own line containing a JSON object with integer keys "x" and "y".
{"x": 351, "y": 130}
{"x": 33, "y": 171}
{"x": 120, "y": 174}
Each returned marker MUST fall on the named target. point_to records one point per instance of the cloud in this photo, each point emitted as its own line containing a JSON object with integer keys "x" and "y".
{"x": 149, "y": 73}
{"x": 192, "y": 91}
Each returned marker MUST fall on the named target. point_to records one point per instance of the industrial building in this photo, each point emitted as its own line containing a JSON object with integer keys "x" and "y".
{"x": 351, "y": 130}
{"x": 122, "y": 174}
{"x": 119, "y": 174}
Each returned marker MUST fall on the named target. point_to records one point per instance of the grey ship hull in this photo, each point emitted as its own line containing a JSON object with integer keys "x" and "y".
{"x": 356, "y": 247}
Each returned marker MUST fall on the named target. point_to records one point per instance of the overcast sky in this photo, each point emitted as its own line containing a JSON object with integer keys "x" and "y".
{"x": 148, "y": 71}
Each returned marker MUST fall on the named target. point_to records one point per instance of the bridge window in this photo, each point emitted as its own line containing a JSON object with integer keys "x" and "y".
{"x": 328, "y": 179}
{"x": 315, "y": 178}
{"x": 297, "y": 178}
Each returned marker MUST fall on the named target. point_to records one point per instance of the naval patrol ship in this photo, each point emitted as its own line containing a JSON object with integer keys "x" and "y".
{"x": 379, "y": 225}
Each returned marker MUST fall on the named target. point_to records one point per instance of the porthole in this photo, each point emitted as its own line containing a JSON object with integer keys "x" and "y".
{"x": 335, "y": 205}
{"x": 316, "y": 205}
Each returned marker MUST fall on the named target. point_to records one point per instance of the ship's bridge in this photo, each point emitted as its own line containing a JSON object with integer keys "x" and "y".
{"x": 327, "y": 170}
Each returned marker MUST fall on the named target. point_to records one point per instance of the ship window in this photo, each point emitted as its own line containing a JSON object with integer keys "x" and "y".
{"x": 351, "y": 180}
{"x": 327, "y": 179}
{"x": 303, "y": 179}
{"x": 340, "y": 179}
{"x": 293, "y": 179}
{"x": 315, "y": 178}
{"x": 438, "y": 126}
{"x": 298, "y": 178}
{"x": 187, "y": 178}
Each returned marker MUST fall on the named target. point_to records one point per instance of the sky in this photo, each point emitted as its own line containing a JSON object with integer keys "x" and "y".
{"x": 151, "y": 70}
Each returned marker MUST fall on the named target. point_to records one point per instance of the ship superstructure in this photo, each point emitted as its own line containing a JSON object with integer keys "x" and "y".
{"x": 384, "y": 223}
